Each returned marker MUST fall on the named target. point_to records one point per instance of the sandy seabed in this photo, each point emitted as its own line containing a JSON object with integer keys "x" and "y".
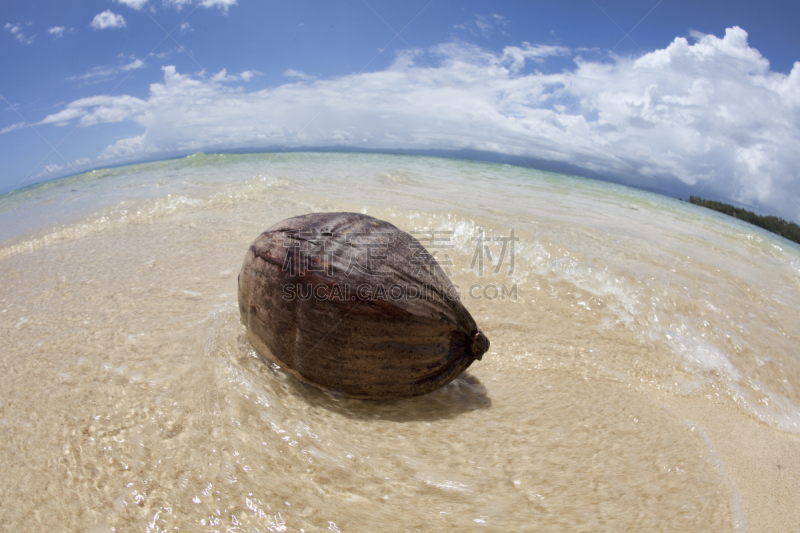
{"x": 644, "y": 378}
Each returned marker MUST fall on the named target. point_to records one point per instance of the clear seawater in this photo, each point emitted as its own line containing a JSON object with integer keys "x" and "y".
{"x": 132, "y": 399}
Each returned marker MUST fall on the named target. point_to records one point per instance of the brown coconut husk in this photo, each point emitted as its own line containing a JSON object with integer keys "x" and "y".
{"x": 352, "y": 304}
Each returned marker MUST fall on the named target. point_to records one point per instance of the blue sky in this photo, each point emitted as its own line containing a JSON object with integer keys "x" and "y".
{"x": 700, "y": 97}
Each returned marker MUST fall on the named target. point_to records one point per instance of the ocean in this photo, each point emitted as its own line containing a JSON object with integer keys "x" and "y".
{"x": 643, "y": 372}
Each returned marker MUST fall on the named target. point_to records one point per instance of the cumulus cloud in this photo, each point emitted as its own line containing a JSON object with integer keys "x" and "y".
{"x": 108, "y": 19}
{"x": 16, "y": 31}
{"x": 127, "y": 149}
{"x": 97, "y": 109}
{"x": 709, "y": 113}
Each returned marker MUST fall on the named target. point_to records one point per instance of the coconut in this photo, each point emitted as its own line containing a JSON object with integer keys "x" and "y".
{"x": 352, "y": 304}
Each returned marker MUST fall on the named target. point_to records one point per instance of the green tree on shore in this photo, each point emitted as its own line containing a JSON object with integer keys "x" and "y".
{"x": 777, "y": 225}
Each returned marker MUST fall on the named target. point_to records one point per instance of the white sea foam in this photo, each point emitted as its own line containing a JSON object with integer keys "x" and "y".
{"x": 649, "y": 308}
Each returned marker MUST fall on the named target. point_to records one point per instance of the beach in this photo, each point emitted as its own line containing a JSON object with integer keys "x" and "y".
{"x": 643, "y": 371}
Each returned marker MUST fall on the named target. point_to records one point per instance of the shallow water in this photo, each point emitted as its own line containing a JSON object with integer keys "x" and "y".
{"x": 133, "y": 401}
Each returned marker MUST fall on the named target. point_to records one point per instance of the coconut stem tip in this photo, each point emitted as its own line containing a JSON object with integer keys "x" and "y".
{"x": 480, "y": 345}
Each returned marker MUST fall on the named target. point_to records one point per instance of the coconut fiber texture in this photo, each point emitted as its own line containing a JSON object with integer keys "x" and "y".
{"x": 352, "y": 304}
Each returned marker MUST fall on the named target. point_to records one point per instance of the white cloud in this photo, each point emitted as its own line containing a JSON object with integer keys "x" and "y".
{"x": 53, "y": 167}
{"x": 98, "y": 74}
{"x": 127, "y": 148}
{"x": 247, "y": 75}
{"x": 134, "y": 4}
{"x": 96, "y": 110}
{"x": 484, "y": 25}
{"x": 710, "y": 114}
{"x": 16, "y": 31}
{"x": 58, "y": 31}
{"x": 13, "y": 127}
{"x": 185, "y": 27}
{"x": 222, "y": 76}
{"x": 221, "y": 4}
{"x": 167, "y": 53}
{"x": 133, "y": 65}
{"x": 49, "y": 170}
{"x": 292, "y": 73}
{"x": 517, "y": 56}
{"x": 107, "y": 19}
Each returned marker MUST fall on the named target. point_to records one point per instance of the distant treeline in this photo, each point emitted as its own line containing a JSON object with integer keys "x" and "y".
{"x": 788, "y": 230}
